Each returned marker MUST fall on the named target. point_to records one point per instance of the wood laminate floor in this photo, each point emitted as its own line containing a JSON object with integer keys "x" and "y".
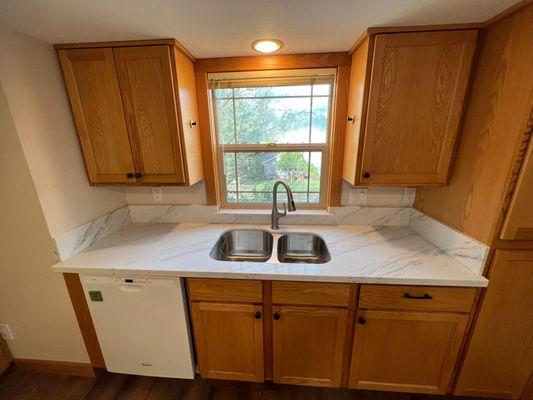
{"x": 20, "y": 385}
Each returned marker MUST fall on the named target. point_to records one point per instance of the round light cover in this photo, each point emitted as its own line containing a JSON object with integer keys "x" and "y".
{"x": 267, "y": 45}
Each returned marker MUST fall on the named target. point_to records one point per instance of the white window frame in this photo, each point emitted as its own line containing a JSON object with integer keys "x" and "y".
{"x": 271, "y": 78}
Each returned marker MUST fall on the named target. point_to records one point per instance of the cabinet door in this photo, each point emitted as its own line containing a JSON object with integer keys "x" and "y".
{"x": 416, "y": 95}
{"x": 5, "y": 356}
{"x": 308, "y": 345}
{"x": 93, "y": 90}
{"x": 499, "y": 357}
{"x": 405, "y": 351}
{"x": 518, "y": 223}
{"x": 146, "y": 84}
{"x": 229, "y": 340}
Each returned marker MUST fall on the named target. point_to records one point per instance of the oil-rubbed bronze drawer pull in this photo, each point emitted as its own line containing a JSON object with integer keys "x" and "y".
{"x": 424, "y": 297}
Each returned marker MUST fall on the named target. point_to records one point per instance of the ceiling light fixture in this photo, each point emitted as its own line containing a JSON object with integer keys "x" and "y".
{"x": 267, "y": 45}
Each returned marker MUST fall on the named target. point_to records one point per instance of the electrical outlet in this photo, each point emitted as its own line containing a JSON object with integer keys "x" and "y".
{"x": 157, "y": 194}
{"x": 5, "y": 332}
{"x": 359, "y": 196}
{"x": 409, "y": 196}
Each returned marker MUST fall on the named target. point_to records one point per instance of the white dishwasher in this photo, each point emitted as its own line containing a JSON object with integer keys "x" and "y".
{"x": 141, "y": 324}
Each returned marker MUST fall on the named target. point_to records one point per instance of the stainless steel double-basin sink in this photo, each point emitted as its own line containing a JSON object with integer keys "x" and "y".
{"x": 257, "y": 245}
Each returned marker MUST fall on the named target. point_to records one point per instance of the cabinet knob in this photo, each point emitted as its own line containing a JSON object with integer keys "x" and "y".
{"x": 137, "y": 175}
{"x": 361, "y": 320}
{"x": 130, "y": 175}
{"x": 277, "y": 316}
{"x": 366, "y": 175}
{"x": 192, "y": 123}
{"x": 258, "y": 315}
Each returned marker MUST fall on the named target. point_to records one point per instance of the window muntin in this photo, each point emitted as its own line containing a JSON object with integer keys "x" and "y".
{"x": 270, "y": 129}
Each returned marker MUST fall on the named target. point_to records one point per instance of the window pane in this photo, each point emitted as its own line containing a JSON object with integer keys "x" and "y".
{"x": 322, "y": 89}
{"x": 314, "y": 171}
{"x": 266, "y": 120}
{"x": 273, "y": 91}
{"x": 258, "y": 171}
{"x": 225, "y": 121}
{"x": 320, "y": 119}
{"x": 229, "y": 171}
{"x": 223, "y": 93}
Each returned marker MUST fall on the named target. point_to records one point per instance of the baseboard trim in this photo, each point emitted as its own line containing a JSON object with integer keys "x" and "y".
{"x": 54, "y": 367}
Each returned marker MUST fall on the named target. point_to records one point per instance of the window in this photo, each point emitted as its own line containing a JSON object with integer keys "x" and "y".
{"x": 272, "y": 125}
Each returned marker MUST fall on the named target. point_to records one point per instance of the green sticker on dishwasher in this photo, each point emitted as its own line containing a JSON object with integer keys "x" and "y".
{"x": 95, "y": 295}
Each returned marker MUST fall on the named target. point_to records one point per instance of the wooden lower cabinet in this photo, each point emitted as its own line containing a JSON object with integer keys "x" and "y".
{"x": 308, "y": 345}
{"x": 405, "y": 351}
{"x": 499, "y": 358}
{"x": 229, "y": 340}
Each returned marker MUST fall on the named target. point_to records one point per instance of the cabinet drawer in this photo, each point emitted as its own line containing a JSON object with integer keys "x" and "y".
{"x": 384, "y": 297}
{"x": 311, "y": 293}
{"x": 225, "y": 290}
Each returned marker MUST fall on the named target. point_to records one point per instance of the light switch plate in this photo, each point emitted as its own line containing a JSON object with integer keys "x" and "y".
{"x": 5, "y": 332}
{"x": 409, "y": 196}
{"x": 157, "y": 194}
{"x": 359, "y": 196}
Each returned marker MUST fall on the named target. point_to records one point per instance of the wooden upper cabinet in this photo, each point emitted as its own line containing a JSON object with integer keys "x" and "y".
{"x": 135, "y": 110}
{"x": 499, "y": 358}
{"x": 93, "y": 90}
{"x": 406, "y": 351}
{"x": 147, "y": 87}
{"x": 518, "y": 223}
{"x": 406, "y": 102}
{"x": 308, "y": 345}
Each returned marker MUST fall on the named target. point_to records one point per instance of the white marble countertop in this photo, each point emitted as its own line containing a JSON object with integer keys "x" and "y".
{"x": 364, "y": 254}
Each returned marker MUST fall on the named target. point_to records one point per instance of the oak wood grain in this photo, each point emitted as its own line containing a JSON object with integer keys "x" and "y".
{"x": 418, "y": 84}
{"x": 5, "y": 356}
{"x": 147, "y": 87}
{"x": 235, "y": 290}
{"x": 492, "y": 134}
{"x": 127, "y": 43}
{"x": 93, "y": 90}
{"x": 55, "y": 367}
{"x": 502, "y": 340}
{"x": 311, "y": 293}
{"x": 185, "y": 85}
{"x": 309, "y": 345}
{"x": 406, "y": 351}
{"x": 229, "y": 340}
{"x": 518, "y": 223}
{"x": 357, "y": 109}
{"x": 392, "y": 297}
{"x": 83, "y": 316}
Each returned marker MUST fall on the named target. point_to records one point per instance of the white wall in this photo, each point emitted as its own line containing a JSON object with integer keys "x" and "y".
{"x": 33, "y": 300}
{"x": 377, "y": 196}
{"x": 171, "y": 195}
{"x": 33, "y": 86}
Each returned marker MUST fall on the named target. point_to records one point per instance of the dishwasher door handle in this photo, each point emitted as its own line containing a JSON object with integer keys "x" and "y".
{"x": 131, "y": 288}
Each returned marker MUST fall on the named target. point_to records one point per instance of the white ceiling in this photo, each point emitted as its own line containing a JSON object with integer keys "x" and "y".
{"x": 218, "y": 28}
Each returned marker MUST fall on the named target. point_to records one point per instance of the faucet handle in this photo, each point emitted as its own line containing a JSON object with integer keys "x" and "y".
{"x": 284, "y": 210}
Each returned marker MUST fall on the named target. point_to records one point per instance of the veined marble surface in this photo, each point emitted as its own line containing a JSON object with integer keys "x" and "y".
{"x": 468, "y": 251}
{"x": 78, "y": 239}
{"x": 82, "y": 237}
{"x": 366, "y": 254}
{"x": 377, "y": 216}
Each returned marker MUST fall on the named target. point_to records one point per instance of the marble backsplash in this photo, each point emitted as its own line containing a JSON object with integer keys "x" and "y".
{"x": 377, "y": 216}
{"x": 80, "y": 238}
{"x": 469, "y": 252}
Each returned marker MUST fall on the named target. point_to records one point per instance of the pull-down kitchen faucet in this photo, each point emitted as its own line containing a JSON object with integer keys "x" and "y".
{"x": 275, "y": 216}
